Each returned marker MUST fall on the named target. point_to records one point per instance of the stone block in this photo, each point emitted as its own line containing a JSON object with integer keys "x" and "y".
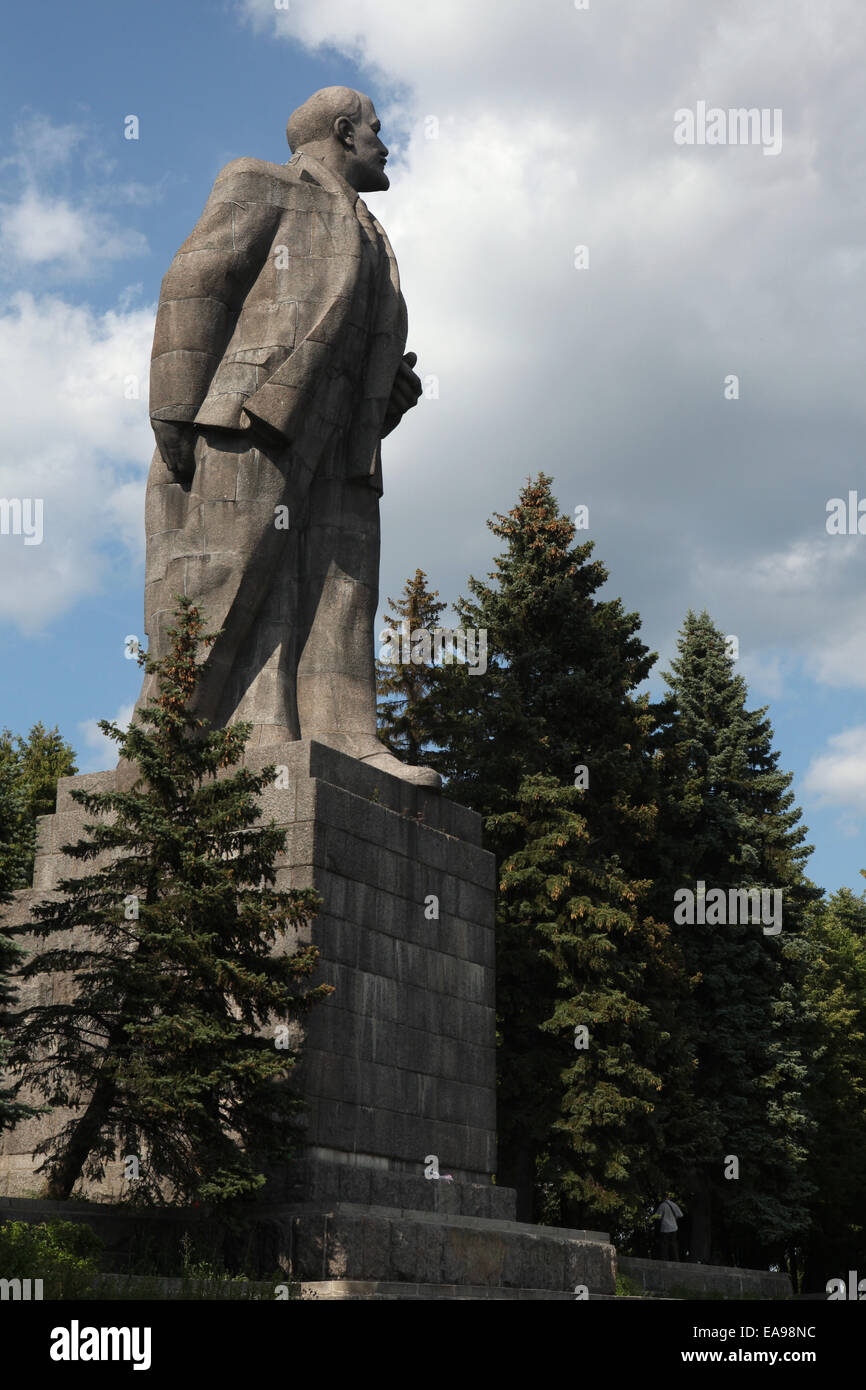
{"x": 404, "y": 1249}
{"x": 377, "y": 1248}
{"x": 399, "y": 1062}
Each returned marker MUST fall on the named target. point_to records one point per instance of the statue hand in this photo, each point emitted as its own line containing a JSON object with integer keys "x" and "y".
{"x": 176, "y": 444}
{"x": 405, "y": 393}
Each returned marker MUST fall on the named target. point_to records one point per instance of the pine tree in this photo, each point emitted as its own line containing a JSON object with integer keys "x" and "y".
{"x": 17, "y": 827}
{"x": 180, "y": 961}
{"x": 16, "y": 846}
{"x": 550, "y": 745}
{"x": 39, "y": 761}
{"x": 729, "y": 822}
{"x": 45, "y": 758}
{"x": 581, "y": 1042}
{"x": 409, "y": 690}
{"x": 836, "y": 991}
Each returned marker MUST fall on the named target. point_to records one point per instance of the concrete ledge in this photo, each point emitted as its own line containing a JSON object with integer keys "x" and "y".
{"x": 661, "y": 1276}
{"x": 369, "y": 1289}
{"x": 473, "y": 1223}
{"x": 349, "y": 1242}
{"x": 382, "y": 1246}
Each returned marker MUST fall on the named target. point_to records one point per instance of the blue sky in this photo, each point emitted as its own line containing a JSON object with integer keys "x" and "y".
{"x": 550, "y": 128}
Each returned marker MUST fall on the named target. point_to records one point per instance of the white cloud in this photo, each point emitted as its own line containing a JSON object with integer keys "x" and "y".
{"x": 39, "y": 145}
{"x": 804, "y": 598}
{"x": 72, "y": 438}
{"x": 555, "y": 129}
{"x": 48, "y": 232}
{"x": 837, "y": 777}
{"x": 102, "y": 751}
{"x": 44, "y": 230}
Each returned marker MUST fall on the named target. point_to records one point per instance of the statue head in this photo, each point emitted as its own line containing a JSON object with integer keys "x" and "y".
{"x": 340, "y": 127}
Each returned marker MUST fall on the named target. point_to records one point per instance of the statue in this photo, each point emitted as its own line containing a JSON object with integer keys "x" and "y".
{"x": 278, "y": 367}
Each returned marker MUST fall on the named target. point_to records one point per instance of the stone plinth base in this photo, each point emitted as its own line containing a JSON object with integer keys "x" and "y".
{"x": 392, "y": 1246}
{"x": 346, "y": 1242}
{"x": 399, "y": 1063}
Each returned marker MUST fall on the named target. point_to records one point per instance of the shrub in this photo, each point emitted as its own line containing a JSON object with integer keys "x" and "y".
{"x": 63, "y": 1254}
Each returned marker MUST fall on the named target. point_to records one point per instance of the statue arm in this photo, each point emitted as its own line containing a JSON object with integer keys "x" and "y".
{"x": 201, "y": 296}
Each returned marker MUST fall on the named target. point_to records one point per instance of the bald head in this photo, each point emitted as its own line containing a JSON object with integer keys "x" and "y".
{"x": 339, "y": 126}
{"x": 314, "y": 121}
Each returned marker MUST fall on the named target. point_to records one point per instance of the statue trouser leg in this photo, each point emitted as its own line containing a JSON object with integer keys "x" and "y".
{"x": 296, "y": 604}
{"x": 336, "y": 680}
{"x": 221, "y": 543}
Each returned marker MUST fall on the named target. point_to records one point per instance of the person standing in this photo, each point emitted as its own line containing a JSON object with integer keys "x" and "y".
{"x": 668, "y": 1214}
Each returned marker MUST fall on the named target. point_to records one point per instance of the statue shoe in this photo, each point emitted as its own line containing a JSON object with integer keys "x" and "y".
{"x": 417, "y": 776}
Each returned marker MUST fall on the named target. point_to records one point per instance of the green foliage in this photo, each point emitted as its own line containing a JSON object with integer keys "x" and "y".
{"x": 728, "y": 820}
{"x": 45, "y": 757}
{"x": 571, "y": 927}
{"x": 16, "y": 849}
{"x": 181, "y": 961}
{"x": 63, "y": 1254}
{"x": 17, "y": 828}
{"x": 627, "y": 1288}
{"x": 410, "y": 693}
{"x": 703, "y": 1042}
{"x": 835, "y": 989}
{"x": 573, "y": 943}
{"x": 29, "y": 771}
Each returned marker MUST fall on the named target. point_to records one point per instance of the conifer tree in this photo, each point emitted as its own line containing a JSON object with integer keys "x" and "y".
{"x": 581, "y": 1042}
{"x": 45, "y": 757}
{"x": 409, "y": 690}
{"x": 38, "y": 760}
{"x": 550, "y": 745}
{"x": 17, "y": 827}
{"x": 729, "y": 823}
{"x": 181, "y": 964}
{"x": 836, "y": 991}
{"x": 16, "y": 846}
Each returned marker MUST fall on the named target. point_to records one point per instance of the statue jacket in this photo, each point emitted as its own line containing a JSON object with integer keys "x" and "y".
{"x": 282, "y": 314}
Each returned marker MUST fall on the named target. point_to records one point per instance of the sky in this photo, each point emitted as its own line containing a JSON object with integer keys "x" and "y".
{"x": 693, "y": 376}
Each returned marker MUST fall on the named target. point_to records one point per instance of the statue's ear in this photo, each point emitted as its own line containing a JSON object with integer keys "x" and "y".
{"x": 344, "y": 130}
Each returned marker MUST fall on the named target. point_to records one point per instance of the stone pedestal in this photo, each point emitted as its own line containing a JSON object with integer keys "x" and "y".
{"x": 398, "y": 1065}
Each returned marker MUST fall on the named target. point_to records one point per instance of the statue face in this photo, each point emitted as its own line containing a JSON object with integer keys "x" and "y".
{"x": 370, "y": 154}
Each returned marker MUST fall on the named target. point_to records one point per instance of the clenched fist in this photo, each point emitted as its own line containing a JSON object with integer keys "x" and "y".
{"x": 176, "y": 444}
{"x": 404, "y": 393}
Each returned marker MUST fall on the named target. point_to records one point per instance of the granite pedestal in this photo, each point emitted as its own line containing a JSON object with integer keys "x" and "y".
{"x": 398, "y": 1067}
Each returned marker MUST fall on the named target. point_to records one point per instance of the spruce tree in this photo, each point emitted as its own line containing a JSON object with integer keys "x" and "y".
{"x": 582, "y": 1047}
{"x": 16, "y": 848}
{"x": 409, "y": 691}
{"x": 550, "y": 745}
{"x": 729, "y": 822}
{"x": 45, "y": 757}
{"x": 170, "y": 1052}
{"x": 836, "y": 991}
{"x": 17, "y": 827}
{"x": 39, "y": 760}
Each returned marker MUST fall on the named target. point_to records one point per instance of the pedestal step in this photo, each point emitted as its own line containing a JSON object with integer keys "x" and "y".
{"x": 392, "y": 1246}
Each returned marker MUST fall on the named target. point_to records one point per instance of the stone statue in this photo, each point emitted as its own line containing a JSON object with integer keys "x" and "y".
{"x": 278, "y": 367}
